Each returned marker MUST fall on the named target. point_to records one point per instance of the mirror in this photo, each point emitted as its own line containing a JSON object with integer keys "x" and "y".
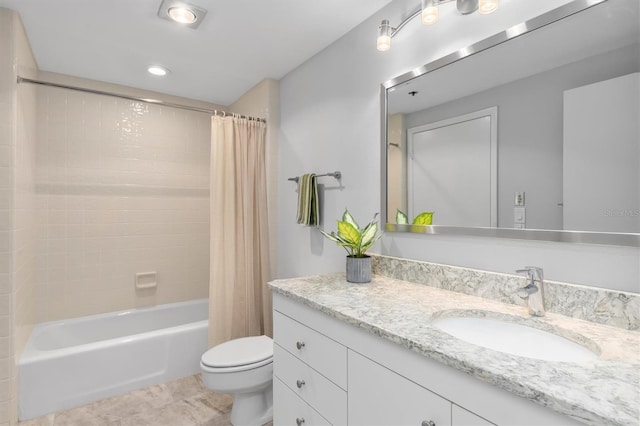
{"x": 528, "y": 134}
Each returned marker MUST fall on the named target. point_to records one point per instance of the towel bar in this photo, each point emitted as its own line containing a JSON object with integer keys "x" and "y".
{"x": 337, "y": 175}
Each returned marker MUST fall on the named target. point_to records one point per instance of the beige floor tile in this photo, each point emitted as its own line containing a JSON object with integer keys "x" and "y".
{"x": 84, "y": 416}
{"x": 117, "y": 407}
{"x": 180, "y": 413}
{"x": 218, "y": 401}
{"x": 221, "y": 420}
{"x": 39, "y": 421}
{"x": 182, "y": 402}
{"x": 187, "y": 387}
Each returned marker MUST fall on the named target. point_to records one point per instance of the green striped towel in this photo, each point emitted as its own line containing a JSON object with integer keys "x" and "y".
{"x": 308, "y": 209}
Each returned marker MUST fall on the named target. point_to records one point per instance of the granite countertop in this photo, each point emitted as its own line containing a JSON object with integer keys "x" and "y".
{"x": 605, "y": 391}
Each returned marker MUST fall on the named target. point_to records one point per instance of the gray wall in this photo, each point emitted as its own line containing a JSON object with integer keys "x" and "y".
{"x": 330, "y": 120}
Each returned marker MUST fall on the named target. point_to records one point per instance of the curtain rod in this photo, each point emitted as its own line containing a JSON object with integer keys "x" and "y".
{"x": 137, "y": 99}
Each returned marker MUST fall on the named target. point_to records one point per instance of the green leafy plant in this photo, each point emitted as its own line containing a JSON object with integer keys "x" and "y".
{"x": 424, "y": 218}
{"x": 355, "y": 240}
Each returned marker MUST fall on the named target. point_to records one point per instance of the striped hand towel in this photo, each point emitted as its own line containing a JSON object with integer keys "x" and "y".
{"x": 308, "y": 209}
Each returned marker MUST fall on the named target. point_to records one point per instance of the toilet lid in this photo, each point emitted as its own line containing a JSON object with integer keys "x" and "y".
{"x": 238, "y": 352}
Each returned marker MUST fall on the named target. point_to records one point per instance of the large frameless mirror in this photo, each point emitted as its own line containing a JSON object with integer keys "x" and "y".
{"x": 528, "y": 134}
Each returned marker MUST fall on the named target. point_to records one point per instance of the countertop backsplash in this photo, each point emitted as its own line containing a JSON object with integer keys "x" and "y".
{"x": 609, "y": 307}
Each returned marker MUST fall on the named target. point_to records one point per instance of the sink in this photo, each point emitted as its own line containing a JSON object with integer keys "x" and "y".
{"x": 515, "y": 339}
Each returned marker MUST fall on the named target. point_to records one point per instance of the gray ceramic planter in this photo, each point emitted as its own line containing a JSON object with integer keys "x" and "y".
{"x": 358, "y": 269}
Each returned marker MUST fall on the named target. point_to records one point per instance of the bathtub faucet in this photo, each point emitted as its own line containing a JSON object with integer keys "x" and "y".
{"x": 533, "y": 292}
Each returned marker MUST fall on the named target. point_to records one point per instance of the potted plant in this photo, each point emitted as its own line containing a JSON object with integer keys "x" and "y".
{"x": 356, "y": 241}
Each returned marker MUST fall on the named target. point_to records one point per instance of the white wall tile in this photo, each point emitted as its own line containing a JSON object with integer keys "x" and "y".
{"x": 126, "y": 191}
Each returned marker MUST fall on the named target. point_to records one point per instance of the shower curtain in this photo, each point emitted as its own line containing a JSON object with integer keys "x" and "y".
{"x": 239, "y": 301}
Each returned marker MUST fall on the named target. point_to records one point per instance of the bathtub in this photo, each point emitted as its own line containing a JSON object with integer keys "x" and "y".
{"x": 72, "y": 362}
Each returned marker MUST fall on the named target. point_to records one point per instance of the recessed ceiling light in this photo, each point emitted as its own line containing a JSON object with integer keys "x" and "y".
{"x": 186, "y": 14}
{"x": 182, "y": 15}
{"x": 158, "y": 70}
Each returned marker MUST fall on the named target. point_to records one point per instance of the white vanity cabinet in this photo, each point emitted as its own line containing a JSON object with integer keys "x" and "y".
{"x": 380, "y": 397}
{"x": 310, "y": 375}
{"x": 462, "y": 417}
{"x": 351, "y": 376}
{"x": 290, "y": 409}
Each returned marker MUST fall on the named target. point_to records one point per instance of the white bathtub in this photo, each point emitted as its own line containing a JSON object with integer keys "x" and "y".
{"x": 72, "y": 362}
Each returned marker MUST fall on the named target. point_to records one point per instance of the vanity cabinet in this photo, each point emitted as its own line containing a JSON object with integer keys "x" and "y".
{"x": 310, "y": 375}
{"x": 351, "y": 376}
{"x": 290, "y": 409}
{"x": 462, "y": 417}
{"x": 380, "y": 397}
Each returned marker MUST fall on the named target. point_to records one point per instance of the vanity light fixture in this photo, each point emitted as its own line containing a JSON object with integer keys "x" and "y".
{"x": 158, "y": 70}
{"x": 384, "y": 36}
{"x": 185, "y": 14}
{"x": 487, "y": 6}
{"x": 430, "y": 15}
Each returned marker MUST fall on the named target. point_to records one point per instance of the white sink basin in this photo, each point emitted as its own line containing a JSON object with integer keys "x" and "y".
{"x": 514, "y": 339}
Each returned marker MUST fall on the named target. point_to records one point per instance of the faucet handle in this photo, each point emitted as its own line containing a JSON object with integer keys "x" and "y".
{"x": 537, "y": 271}
{"x": 534, "y": 273}
{"x": 529, "y": 272}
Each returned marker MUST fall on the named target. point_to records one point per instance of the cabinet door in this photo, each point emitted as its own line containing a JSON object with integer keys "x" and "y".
{"x": 462, "y": 417}
{"x": 378, "y": 396}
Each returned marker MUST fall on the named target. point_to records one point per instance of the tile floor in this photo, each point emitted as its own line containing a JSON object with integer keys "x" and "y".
{"x": 182, "y": 402}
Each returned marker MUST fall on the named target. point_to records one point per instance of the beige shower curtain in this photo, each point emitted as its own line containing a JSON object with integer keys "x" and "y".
{"x": 239, "y": 301}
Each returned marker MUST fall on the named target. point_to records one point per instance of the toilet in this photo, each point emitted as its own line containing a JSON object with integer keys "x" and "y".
{"x": 243, "y": 367}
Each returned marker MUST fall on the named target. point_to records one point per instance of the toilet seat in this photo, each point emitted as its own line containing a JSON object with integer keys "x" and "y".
{"x": 239, "y": 354}
{"x": 242, "y": 367}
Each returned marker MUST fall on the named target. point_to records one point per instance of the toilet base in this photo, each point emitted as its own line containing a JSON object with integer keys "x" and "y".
{"x": 252, "y": 408}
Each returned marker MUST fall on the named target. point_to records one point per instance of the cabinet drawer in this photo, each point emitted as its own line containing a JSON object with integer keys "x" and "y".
{"x": 315, "y": 349}
{"x": 380, "y": 397}
{"x": 315, "y": 389}
{"x": 290, "y": 410}
{"x": 462, "y": 417}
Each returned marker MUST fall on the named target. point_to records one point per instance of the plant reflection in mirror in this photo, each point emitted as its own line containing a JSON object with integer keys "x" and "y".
{"x": 424, "y": 218}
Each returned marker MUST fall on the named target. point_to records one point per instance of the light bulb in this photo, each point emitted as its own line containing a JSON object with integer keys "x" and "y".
{"x": 384, "y": 36}
{"x": 182, "y": 15}
{"x": 157, "y": 70}
{"x": 487, "y": 6}
{"x": 430, "y": 13}
{"x": 384, "y": 43}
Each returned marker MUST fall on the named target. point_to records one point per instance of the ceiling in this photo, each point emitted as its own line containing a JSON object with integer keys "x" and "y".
{"x": 237, "y": 45}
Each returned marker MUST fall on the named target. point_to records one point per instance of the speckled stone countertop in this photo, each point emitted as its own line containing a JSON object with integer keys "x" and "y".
{"x": 605, "y": 391}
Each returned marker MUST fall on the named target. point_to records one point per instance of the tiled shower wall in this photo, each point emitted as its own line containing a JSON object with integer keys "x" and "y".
{"x": 17, "y": 206}
{"x": 7, "y": 147}
{"x": 122, "y": 187}
{"x": 24, "y": 240}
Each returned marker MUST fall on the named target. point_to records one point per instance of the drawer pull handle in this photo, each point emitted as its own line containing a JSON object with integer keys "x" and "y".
{"x": 301, "y": 383}
{"x": 428, "y": 423}
{"x": 299, "y": 345}
{"x": 300, "y": 421}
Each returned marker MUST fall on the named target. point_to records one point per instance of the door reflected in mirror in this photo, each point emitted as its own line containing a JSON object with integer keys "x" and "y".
{"x": 566, "y": 145}
{"x": 450, "y": 168}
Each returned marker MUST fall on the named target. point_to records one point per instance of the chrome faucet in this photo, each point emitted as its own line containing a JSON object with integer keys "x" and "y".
{"x": 533, "y": 292}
